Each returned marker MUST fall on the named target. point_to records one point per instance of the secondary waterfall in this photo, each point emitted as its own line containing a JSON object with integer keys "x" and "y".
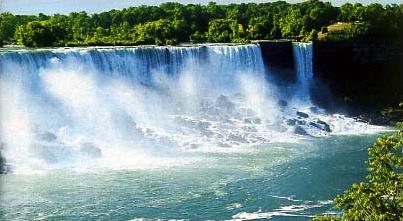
{"x": 304, "y": 72}
{"x": 62, "y": 107}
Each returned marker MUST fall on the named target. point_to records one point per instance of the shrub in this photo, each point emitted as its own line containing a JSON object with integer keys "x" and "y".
{"x": 380, "y": 196}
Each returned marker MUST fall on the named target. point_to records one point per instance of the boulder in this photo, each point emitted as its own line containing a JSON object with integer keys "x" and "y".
{"x": 302, "y": 114}
{"x": 321, "y": 125}
{"x": 325, "y": 126}
{"x": 47, "y": 136}
{"x": 300, "y": 131}
{"x": 257, "y": 121}
{"x": 291, "y": 122}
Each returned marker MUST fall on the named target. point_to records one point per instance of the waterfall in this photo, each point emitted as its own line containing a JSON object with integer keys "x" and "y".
{"x": 78, "y": 106}
{"x": 66, "y": 105}
{"x": 304, "y": 73}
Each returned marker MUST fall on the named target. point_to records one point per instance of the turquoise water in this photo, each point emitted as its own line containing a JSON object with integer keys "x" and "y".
{"x": 279, "y": 181}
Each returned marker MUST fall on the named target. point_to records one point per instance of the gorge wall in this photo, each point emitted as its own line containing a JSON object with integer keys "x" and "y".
{"x": 359, "y": 75}
{"x": 363, "y": 74}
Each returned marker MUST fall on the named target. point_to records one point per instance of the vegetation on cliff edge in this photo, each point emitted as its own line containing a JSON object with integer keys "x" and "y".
{"x": 172, "y": 23}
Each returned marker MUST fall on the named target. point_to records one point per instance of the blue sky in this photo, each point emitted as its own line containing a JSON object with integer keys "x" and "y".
{"x": 66, "y": 6}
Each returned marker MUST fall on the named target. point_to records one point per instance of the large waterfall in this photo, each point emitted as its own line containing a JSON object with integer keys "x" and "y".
{"x": 61, "y": 107}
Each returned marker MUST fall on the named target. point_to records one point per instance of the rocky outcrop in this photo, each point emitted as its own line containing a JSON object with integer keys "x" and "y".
{"x": 361, "y": 74}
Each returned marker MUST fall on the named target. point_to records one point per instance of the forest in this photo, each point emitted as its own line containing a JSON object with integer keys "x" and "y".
{"x": 174, "y": 23}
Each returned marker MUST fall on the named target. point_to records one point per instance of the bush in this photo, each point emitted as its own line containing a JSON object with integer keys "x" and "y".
{"x": 380, "y": 197}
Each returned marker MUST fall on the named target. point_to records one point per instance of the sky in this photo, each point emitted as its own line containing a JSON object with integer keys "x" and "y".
{"x": 91, "y": 6}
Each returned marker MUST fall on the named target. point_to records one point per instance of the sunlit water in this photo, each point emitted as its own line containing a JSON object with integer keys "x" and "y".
{"x": 197, "y": 133}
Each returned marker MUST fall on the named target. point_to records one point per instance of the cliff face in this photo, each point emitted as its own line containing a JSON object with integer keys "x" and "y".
{"x": 279, "y": 59}
{"x": 361, "y": 74}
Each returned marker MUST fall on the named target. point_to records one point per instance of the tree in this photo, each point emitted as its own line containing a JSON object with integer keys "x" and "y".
{"x": 155, "y": 32}
{"x": 199, "y": 23}
{"x": 380, "y": 197}
{"x": 224, "y": 30}
{"x": 39, "y": 34}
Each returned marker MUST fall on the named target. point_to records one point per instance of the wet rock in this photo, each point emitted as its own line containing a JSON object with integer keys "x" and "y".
{"x": 247, "y": 120}
{"x": 47, "y": 136}
{"x": 291, "y": 122}
{"x": 321, "y": 125}
{"x": 302, "y": 114}
{"x": 249, "y": 129}
{"x": 325, "y": 126}
{"x": 252, "y": 120}
{"x": 221, "y": 144}
{"x": 300, "y": 131}
{"x": 89, "y": 149}
{"x": 282, "y": 103}
{"x": 224, "y": 103}
{"x": 194, "y": 146}
{"x": 257, "y": 121}
{"x": 236, "y": 138}
{"x": 2, "y": 160}
{"x": 203, "y": 125}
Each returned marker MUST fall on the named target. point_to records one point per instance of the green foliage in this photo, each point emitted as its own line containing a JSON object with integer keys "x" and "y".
{"x": 225, "y": 30}
{"x": 39, "y": 34}
{"x": 172, "y": 23}
{"x": 156, "y": 32}
{"x": 346, "y": 31}
{"x": 380, "y": 197}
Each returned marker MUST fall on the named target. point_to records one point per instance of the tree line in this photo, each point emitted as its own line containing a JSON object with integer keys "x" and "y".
{"x": 173, "y": 23}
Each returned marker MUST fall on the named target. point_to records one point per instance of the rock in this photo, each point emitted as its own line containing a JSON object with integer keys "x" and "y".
{"x": 291, "y": 122}
{"x": 282, "y": 103}
{"x": 194, "y": 146}
{"x": 224, "y": 103}
{"x": 302, "y": 114}
{"x": 237, "y": 138}
{"x": 4, "y": 168}
{"x": 325, "y": 126}
{"x": 321, "y": 125}
{"x": 89, "y": 149}
{"x": 300, "y": 131}
{"x": 257, "y": 121}
{"x": 2, "y": 164}
{"x": 221, "y": 144}
{"x": 47, "y": 136}
{"x": 301, "y": 122}
{"x": 247, "y": 120}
